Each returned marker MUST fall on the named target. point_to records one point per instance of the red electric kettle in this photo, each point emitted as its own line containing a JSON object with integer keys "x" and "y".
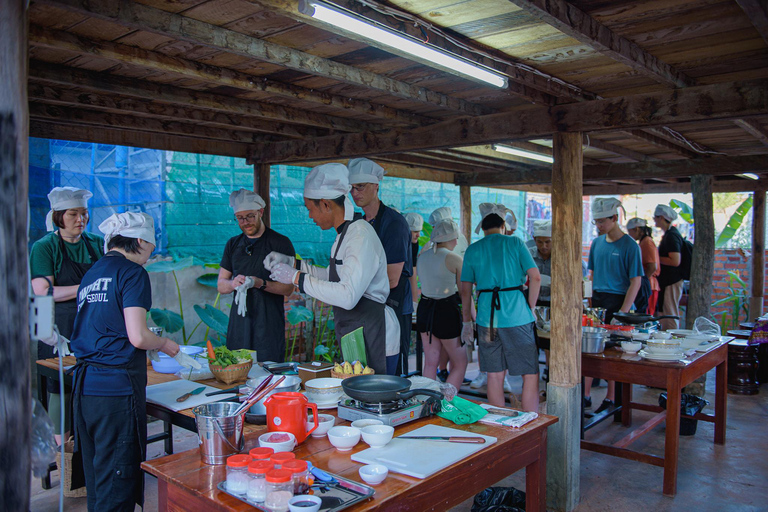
{"x": 287, "y": 412}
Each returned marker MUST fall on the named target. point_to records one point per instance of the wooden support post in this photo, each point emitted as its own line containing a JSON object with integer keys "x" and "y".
{"x": 703, "y": 260}
{"x": 465, "y": 220}
{"x": 758, "y": 255}
{"x": 564, "y": 389}
{"x": 261, "y": 187}
{"x": 15, "y": 388}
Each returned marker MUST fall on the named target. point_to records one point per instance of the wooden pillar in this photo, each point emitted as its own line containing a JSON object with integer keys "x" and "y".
{"x": 15, "y": 390}
{"x": 465, "y": 195}
{"x": 703, "y": 259}
{"x": 261, "y": 187}
{"x": 564, "y": 388}
{"x": 756, "y": 299}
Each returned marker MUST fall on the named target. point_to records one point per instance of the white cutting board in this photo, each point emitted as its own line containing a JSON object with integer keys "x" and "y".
{"x": 166, "y": 393}
{"x": 420, "y": 458}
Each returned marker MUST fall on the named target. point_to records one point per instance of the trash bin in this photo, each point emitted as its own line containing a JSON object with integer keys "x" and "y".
{"x": 499, "y": 499}
{"x": 690, "y": 405}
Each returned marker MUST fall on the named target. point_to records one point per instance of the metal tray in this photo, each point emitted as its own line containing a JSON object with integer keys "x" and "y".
{"x": 334, "y": 496}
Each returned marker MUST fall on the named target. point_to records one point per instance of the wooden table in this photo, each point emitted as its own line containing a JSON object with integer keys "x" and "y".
{"x": 185, "y": 483}
{"x": 615, "y": 365}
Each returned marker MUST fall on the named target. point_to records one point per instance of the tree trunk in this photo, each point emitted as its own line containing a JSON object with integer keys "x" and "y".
{"x": 703, "y": 261}
{"x": 758, "y": 255}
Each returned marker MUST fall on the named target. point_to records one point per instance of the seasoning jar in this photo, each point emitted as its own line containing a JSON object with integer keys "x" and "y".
{"x": 282, "y": 457}
{"x": 237, "y": 473}
{"x": 261, "y": 453}
{"x": 279, "y": 490}
{"x": 257, "y": 485}
{"x": 300, "y": 471}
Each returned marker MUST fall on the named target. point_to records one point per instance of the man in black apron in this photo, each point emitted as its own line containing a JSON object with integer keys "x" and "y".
{"x": 355, "y": 283}
{"x": 395, "y": 235}
{"x": 257, "y": 316}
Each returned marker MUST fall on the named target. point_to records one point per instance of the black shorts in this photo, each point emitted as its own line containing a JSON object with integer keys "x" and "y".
{"x": 445, "y": 316}
{"x": 612, "y": 303}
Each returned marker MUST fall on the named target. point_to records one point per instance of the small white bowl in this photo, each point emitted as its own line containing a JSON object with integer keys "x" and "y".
{"x": 361, "y": 424}
{"x": 282, "y": 446}
{"x": 640, "y": 336}
{"x": 630, "y": 347}
{"x": 304, "y": 498}
{"x": 377, "y": 435}
{"x": 326, "y": 421}
{"x": 344, "y": 438}
{"x": 663, "y": 347}
{"x": 374, "y": 474}
{"x": 325, "y": 390}
{"x": 658, "y": 335}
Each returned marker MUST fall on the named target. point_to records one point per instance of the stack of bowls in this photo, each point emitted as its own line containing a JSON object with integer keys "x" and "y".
{"x": 324, "y": 392}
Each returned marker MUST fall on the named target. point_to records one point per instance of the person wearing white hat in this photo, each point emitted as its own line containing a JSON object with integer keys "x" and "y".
{"x": 415, "y": 224}
{"x": 442, "y": 213}
{"x": 670, "y": 258}
{"x": 395, "y": 235}
{"x": 257, "y": 315}
{"x": 499, "y": 265}
{"x": 111, "y": 340}
{"x": 57, "y": 263}
{"x": 438, "y": 318}
{"x": 614, "y": 259}
{"x": 648, "y": 295}
{"x": 355, "y": 282}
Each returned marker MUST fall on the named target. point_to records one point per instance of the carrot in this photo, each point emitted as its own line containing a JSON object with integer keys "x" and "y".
{"x": 211, "y": 354}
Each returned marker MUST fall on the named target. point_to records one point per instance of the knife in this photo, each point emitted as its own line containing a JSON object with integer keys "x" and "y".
{"x": 193, "y": 392}
{"x": 451, "y": 439}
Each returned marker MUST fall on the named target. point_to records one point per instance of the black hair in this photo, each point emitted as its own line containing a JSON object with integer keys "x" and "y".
{"x": 129, "y": 245}
{"x": 492, "y": 221}
{"x": 339, "y": 201}
{"x": 646, "y": 231}
{"x": 58, "y": 217}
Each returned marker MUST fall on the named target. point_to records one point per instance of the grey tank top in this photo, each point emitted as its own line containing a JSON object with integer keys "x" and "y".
{"x": 437, "y": 282}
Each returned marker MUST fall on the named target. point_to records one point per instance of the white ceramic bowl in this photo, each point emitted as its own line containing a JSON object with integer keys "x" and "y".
{"x": 640, "y": 336}
{"x": 377, "y": 435}
{"x": 361, "y": 424}
{"x": 374, "y": 474}
{"x": 296, "y": 504}
{"x": 663, "y": 347}
{"x": 280, "y": 446}
{"x": 326, "y": 421}
{"x": 631, "y": 347}
{"x": 324, "y": 391}
{"x": 658, "y": 335}
{"x": 344, "y": 438}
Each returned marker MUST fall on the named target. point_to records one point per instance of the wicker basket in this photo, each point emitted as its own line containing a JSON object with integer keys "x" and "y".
{"x": 232, "y": 373}
{"x": 66, "y": 476}
{"x": 343, "y": 376}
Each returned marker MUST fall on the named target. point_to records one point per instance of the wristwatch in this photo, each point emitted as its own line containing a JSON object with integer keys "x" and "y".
{"x": 263, "y": 284}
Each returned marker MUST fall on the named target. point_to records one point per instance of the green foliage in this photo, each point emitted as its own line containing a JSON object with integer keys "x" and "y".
{"x": 734, "y": 223}
{"x": 295, "y": 316}
{"x": 325, "y": 343}
{"x": 211, "y": 280}
{"x": 427, "y": 230}
{"x": 172, "y": 266}
{"x": 737, "y": 299}
{"x": 213, "y": 318}
{"x": 686, "y": 212}
{"x": 170, "y": 321}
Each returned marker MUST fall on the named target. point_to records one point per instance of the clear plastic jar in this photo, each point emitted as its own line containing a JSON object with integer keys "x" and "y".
{"x": 300, "y": 471}
{"x": 261, "y": 453}
{"x": 279, "y": 490}
{"x": 280, "y": 457}
{"x": 257, "y": 485}
{"x": 237, "y": 474}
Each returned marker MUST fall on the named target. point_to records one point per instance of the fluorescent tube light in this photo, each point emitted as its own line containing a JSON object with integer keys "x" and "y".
{"x": 523, "y": 153}
{"x": 402, "y": 42}
{"x": 749, "y": 175}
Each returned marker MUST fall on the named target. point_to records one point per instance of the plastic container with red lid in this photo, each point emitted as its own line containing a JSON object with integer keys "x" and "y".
{"x": 282, "y": 457}
{"x": 237, "y": 474}
{"x": 261, "y": 453}
{"x": 300, "y": 471}
{"x": 279, "y": 490}
{"x": 257, "y": 485}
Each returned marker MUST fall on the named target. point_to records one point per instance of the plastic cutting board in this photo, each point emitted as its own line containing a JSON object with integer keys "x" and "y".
{"x": 166, "y": 393}
{"x": 420, "y": 458}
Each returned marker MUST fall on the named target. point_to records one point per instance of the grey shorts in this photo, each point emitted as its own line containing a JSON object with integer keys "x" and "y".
{"x": 512, "y": 349}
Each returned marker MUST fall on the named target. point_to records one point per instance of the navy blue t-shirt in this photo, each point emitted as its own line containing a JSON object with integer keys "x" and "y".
{"x": 111, "y": 285}
{"x": 395, "y": 236}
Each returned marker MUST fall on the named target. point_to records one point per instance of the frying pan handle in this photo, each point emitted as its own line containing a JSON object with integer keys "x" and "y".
{"x": 667, "y": 316}
{"x": 405, "y": 395}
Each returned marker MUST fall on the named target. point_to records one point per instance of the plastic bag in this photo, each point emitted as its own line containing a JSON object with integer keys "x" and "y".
{"x": 202, "y": 373}
{"x": 689, "y": 405}
{"x": 499, "y": 499}
{"x": 42, "y": 443}
{"x": 706, "y": 326}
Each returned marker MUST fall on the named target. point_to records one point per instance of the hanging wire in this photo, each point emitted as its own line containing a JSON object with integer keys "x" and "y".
{"x": 693, "y": 145}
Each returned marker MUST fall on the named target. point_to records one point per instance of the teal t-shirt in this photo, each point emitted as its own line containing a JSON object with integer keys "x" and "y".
{"x": 614, "y": 264}
{"x": 503, "y": 261}
{"x": 45, "y": 258}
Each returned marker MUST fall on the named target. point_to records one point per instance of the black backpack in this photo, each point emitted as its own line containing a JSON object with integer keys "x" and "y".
{"x": 686, "y": 255}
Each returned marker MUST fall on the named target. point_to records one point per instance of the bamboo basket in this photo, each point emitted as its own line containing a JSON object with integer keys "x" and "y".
{"x": 232, "y": 373}
{"x": 66, "y": 475}
{"x": 343, "y": 376}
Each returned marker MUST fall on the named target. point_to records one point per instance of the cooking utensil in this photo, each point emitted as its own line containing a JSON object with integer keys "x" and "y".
{"x": 193, "y": 392}
{"x": 259, "y": 393}
{"x": 287, "y": 412}
{"x": 451, "y": 439}
{"x": 593, "y": 339}
{"x": 235, "y": 389}
{"x": 291, "y": 383}
{"x": 503, "y": 412}
{"x": 637, "y": 318}
{"x": 383, "y": 388}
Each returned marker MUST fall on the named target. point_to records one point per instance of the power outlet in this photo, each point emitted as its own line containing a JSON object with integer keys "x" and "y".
{"x": 41, "y": 317}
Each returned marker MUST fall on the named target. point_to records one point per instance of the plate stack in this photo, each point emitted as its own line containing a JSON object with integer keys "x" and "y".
{"x": 662, "y": 350}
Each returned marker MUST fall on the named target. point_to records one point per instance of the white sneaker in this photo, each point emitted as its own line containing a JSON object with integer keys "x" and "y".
{"x": 507, "y": 387}
{"x": 480, "y": 381}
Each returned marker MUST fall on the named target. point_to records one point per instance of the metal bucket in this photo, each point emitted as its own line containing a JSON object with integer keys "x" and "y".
{"x": 220, "y": 434}
{"x": 593, "y": 339}
{"x": 291, "y": 383}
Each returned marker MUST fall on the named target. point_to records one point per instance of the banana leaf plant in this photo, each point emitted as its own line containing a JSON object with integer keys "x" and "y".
{"x": 295, "y": 316}
{"x": 730, "y": 229}
{"x": 427, "y": 230}
{"x": 737, "y": 299}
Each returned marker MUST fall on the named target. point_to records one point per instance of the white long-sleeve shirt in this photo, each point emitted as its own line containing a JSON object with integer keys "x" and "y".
{"x": 362, "y": 272}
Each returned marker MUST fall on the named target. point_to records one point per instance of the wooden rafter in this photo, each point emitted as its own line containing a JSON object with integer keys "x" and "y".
{"x": 615, "y": 149}
{"x": 757, "y": 12}
{"x": 728, "y": 185}
{"x": 579, "y": 25}
{"x": 753, "y": 128}
{"x": 661, "y": 142}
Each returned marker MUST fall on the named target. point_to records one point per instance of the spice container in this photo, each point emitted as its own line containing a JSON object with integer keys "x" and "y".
{"x": 261, "y": 453}
{"x": 282, "y": 457}
{"x": 237, "y": 473}
{"x": 300, "y": 471}
{"x": 257, "y": 485}
{"x": 279, "y": 490}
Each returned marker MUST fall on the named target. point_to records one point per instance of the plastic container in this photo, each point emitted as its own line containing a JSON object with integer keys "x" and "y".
{"x": 282, "y": 457}
{"x": 279, "y": 490}
{"x": 237, "y": 474}
{"x": 300, "y": 471}
{"x": 257, "y": 485}
{"x": 261, "y": 453}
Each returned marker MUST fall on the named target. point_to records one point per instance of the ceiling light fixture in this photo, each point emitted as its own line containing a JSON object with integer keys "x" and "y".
{"x": 369, "y": 29}
{"x": 523, "y": 153}
{"x": 749, "y": 175}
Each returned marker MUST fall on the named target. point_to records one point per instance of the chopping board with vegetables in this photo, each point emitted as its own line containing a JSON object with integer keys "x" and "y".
{"x": 167, "y": 393}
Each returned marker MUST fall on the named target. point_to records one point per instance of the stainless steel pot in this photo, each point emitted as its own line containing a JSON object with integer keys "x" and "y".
{"x": 291, "y": 383}
{"x": 593, "y": 339}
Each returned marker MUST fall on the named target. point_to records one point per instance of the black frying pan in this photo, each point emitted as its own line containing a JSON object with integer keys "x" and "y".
{"x": 383, "y": 388}
{"x": 637, "y": 318}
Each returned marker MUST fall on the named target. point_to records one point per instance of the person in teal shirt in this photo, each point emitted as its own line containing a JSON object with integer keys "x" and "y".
{"x": 498, "y": 266}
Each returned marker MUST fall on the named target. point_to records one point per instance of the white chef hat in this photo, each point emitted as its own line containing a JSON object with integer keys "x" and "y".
{"x": 64, "y": 198}
{"x": 510, "y": 219}
{"x": 442, "y": 213}
{"x": 415, "y": 221}
{"x": 542, "y": 228}
{"x": 665, "y": 211}
{"x": 636, "y": 222}
{"x": 244, "y": 199}
{"x": 362, "y": 170}
{"x": 604, "y": 207}
{"x": 445, "y": 231}
{"x": 487, "y": 209}
{"x": 129, "y": 225}
{"x": 329, "y": 181}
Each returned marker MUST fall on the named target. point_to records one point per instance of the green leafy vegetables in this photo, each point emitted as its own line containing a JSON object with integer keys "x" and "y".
{"x": 226, "y": 357}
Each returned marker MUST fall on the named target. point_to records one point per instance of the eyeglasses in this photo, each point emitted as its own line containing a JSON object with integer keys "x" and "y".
{"x": 360, "y": 187}
{"x": 248, "y": 218}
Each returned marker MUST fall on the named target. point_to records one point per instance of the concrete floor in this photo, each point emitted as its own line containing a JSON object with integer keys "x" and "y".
{"x": 710, "y": 478}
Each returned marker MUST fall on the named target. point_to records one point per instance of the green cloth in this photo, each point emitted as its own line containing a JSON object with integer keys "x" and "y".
{"x": 45, "y": 258}
{"x": 461, "y": 412}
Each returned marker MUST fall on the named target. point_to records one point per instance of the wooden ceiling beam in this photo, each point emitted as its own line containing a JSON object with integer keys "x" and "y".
{"x": 757, "y": 12}
{"x": 396, "y": 169}
{"x": 616, "y": 150}
{"x": 753, "y": 128}
{"x": 718, "y": 101}
{"x": 579, "y": 25}
{"x": 142, "y": 17}
{"x": 735, "y": 185}
{"x": 662, "y": 143}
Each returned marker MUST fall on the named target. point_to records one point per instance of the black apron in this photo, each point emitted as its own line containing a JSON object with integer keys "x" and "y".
{"x": 496, "y": 301}
{"x": 137, "y": 373}
{"x": 367, "y": 314}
